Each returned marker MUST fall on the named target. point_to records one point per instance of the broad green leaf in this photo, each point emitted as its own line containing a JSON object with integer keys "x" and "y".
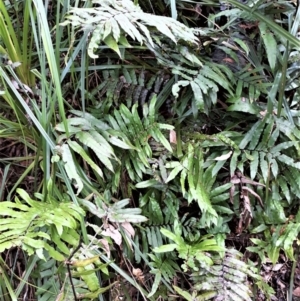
{"x": 264, "y": 167}
{"x": 273, "y": 138}
{"x": 9, "y": 244}
{"x": 70, "y": 166}
{"x": 157, "y": 212}
{"x": 220, "y": 198}
{"x": 53, "y": 253}
{"x": 233, "y": 162}
{"x": 88, "y": 140}
{"x": 268, "y": 131}
{"x": 146, "y": 33}
{"x": 123, "y": 41}
{"x": 257, "y": 134}
{"x": 60, "y": 244}
{"x": 222, "y": 209}
{"x": 85, "y": 262}
{"x": 183, "y": 177}
{"x": 174, "y": 172}
{"x": 274, "y": 168}
{"x": 242, "y": 44}
{"x": 128, "y": 27}
{"x": 217, "y": 167}
{"x": 130, "y": 218}
{"x": 106, "y": 148}
{"x": 91, "y": 280}
{"x": 171, "y": 235}
{"x": 138, "y": 167}
{"x": 183, "y": 293}
{"x": 252, "y": 134}
{"x": 35, "y": 243}
{"x": 284, "y": 188}
{"x": 198, "y": 95}
{"x": 154, "y": 237}
{"x": 165, "y": 248}
{"x": 291, "y": 236}
{"x": 107, "y": 29}
{"x": 274, "y": 254}
{"x": 147, "y": 183}
{"x": 121, "y": 143}
{"x": 120, "y": 204}
{"x": 159, "y": 137}
{"x": 254, "y": 164}
{"x": 94, "y": 294}
{"x": 259, "y": 229}
{"x": 155, "y": 284}
{"x": 152, "y": 109}
{"x": 100, "y": 212}
{"x": 219, "y": 190}
{"x": 244, "y": 106}
{"x": 176, "y": 87}
{"x": 270, "y": 44}
{"x": 282, "y": 146}
{"x": 96, "y": 123}
{"x": 115, "y": 29}
{"x": 286, "y": 160}
{"x": 163, "y": 28}
{"x": 164, "y": 126}
{"x": 70, "y": 236}
{"x": 78, "y": 149}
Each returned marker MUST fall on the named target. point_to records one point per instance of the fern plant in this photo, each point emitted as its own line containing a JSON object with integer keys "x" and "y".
{"x": 113, "y": 20}
{"x": 42, "y": 224}
{"x": 225, "y": 279}
{"x": 119, "y": 130}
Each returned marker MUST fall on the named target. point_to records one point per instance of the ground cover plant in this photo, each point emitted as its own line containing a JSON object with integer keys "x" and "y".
{"x": 149, "y": 150}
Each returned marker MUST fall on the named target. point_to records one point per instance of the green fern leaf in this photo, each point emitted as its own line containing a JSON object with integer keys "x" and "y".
{"x": 87, "y": 139}
{"x": 270, "y": 44}
{"x": 284, "y": 188}
{"x": 177, "y": 168}
{"x": 198, "y": 95}
{"x": 70, "y": 166}
{"x": 233, "y": 161}
{"x": 254, "y": 164}
{"x": 112, "y": 44}
{"x": 78, "y": 149}
{"x": 159, "y": 137}
{"x": 284, "y": 145}
{"x": 264, "y": 167}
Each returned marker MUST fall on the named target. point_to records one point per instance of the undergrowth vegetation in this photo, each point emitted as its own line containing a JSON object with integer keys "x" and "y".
{"x": 149, "y": 150}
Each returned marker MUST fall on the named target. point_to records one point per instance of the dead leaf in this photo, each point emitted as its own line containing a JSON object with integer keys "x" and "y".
{"x": 129, "y": 231}
{"x": 128, "y": 228}
{"x": 246, "y": 214}
{"x": 254, "y": 194}
{"x": 173, "y": 137}
{"x": 296, "y": 292}
{"x": 280, "y": 284}
{"x": 105, "y": 246}
{"x": 114, "y": 234}
{"x": 138, "y": 274}
{"x": 232, "y": 190}
{"x": 277, "y": 267}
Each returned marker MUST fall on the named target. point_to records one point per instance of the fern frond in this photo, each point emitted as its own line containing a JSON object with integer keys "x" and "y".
{"x": 225, "y": 279}
{"x": 59, "y": 219}
{"x": 113, "y": 20}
